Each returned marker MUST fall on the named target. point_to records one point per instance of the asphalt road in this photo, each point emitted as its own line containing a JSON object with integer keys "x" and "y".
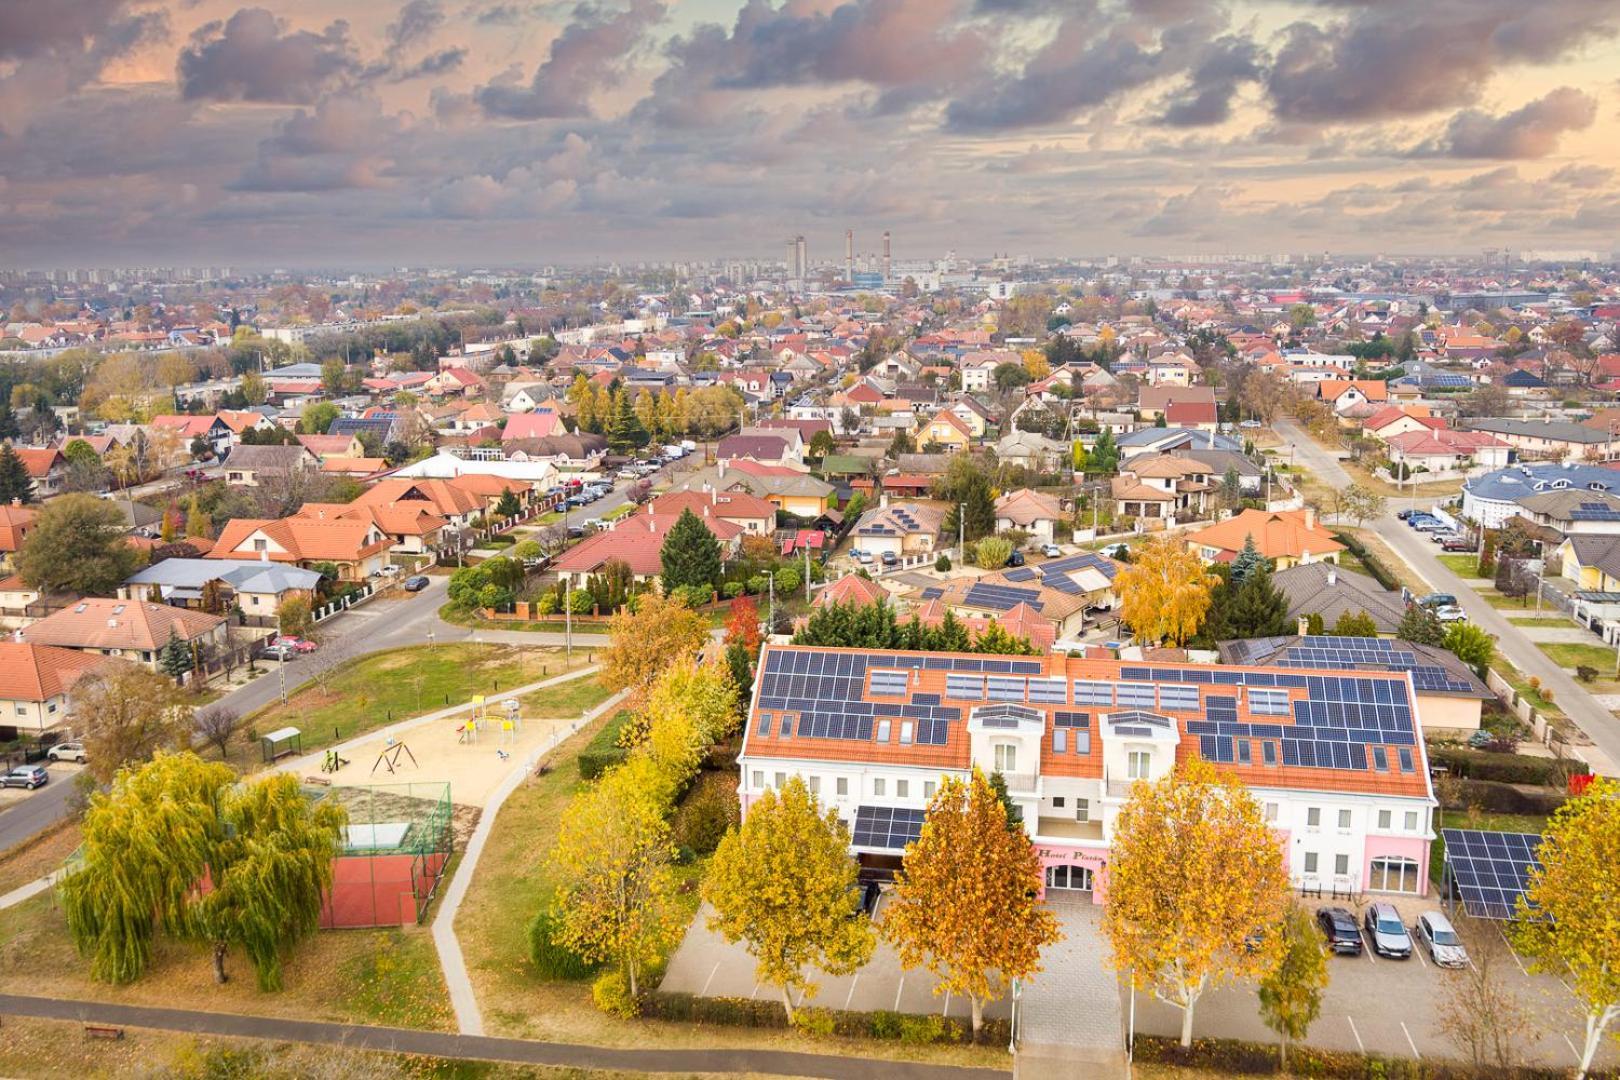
{"x": 1591, "y": 717}
{"x": 38, "y": 811}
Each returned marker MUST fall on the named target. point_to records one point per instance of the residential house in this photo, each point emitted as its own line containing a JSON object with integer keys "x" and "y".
{"x": 1286, "y": 537}
{"x": 1442, "y": 450}
{"x": 1395, "y": 420}
{"x": 35, "y": 686}
{"x": 789, "y": 490}
{"x": 1162, "y": 487}
{"x": 581, "y": 452}
{"x": 253, "y": 466}
{"x": 1157, "y": 440}
{"x": 1591, "y": 562}
{"x": 1329, "y": 590}
{"x": 1034, "y": 513}
{"x": 903, "y": 529}
{"x": 16, "y": 521}
{"x": 755, "y": 516}
{"x": 1070, "y": 736}
{"x": 1493, "y": 497}
{"x": 1342, "y": 395}
{"x": 1552, "y": 440}
{"x": 447, "y": 499}
{"x": 327, "y": 447}
{"x": 47, "y": 468}
{"x": 1032, "y": 451}
{"x": 135, "y": 630}
{"x": 1154, "y": 401}
{"x": 256, "y": 586}
{"x": 638, "y": 542}
{"x": 1020, "y": 621}
{"x": 356, "y": 546}
{"x": 542, "y": 423}
{"x": 946, "y": 430}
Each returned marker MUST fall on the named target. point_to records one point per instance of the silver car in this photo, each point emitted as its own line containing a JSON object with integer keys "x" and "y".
{"x": 1386, "y": 932}
{"x": 1445, "y": 947}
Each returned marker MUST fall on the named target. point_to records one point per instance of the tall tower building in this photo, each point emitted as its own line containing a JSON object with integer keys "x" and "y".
{"x": 849, "y": 254}
{"x": 801, "y": 260}
{"x": 888, "y": 264}
{"x": 792, "y": 258}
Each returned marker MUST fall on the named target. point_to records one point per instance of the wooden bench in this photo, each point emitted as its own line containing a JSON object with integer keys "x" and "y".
{"x": 103, "y": 1031}
{"x": 321, "y": 781}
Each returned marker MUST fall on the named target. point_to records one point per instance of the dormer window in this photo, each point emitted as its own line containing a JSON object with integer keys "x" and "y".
{"x": 1138, "y": 764}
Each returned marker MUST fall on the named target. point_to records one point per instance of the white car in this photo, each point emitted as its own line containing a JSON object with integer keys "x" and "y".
{"x": 1437, "y": 935}
{"x": 1051, "y": 551}
{"x": 1449, "y": 614}
{"x": 389, "y": 571}
{"x": 862, "y": 557}
{"x": 67, "y": 751}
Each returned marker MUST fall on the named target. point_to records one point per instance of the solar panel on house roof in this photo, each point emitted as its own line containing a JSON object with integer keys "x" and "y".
{"x": 889, "y": 828}
{"x": 1491, "y": 870}
{"x": 1022, "y": 573}
{"x": 1001, "y": 597}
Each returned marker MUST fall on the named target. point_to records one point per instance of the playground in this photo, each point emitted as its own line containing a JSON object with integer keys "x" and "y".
{"x": 472, "y": 750}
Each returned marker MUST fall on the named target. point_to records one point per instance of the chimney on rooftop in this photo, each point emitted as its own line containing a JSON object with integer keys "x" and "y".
{"x": 1310, "y": 518}
{"x": 1304, "y": 626}
{"x": 1333, "y": 575}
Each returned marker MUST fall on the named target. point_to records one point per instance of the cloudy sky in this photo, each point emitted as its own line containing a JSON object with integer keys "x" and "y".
{"x": 485, "y": 132}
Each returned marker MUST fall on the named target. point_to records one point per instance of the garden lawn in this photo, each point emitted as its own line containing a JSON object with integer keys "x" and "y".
{"x": 375, "y": 690}
{"x": 1571, "y": 656}
{"x": 1517, "y": 680}
{"x": 1546, "y": 620}
{"x": 1462, "y": 565}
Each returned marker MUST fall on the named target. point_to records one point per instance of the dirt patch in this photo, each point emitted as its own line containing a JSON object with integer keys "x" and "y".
{"x": 38, "y": 856}
{"x": 376, "y": 805}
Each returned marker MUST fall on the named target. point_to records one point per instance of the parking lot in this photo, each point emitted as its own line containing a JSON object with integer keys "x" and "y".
{"x": 1392, "y": 1007}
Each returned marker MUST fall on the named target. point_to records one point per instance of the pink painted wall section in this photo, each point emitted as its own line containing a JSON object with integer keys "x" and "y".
{"x": 1093, "y": 859}
{"x": 1405, "y": 847}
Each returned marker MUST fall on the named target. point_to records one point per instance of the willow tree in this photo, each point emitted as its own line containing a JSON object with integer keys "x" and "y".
{"x": 177, "y": 846}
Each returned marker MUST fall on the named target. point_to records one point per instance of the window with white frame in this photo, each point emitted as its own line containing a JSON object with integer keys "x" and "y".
{"x": 1385, "y": 819}
{"x": 1082, "y": 810}
{"x": 928, "y": 789}
{"x": 1060, "y": 740}
{"x": 759, "y": 779}
{"x": 1310, "y": 862}
{"x": 1006, "y": 757}
{"x": 841, "y": 787}
{"x": 815, "y": 785}
{"x": 1313, "y": 817}
{"x": 883, "y": 731}
{"x": 1344, "y": 821}
{"x": 905, "y": 733}
{"x": 1341, "y": 865}
{"x": 781, "y": 778}
{"x": 1411, "y": 821}
{"x": 1394, "y": 874}
{"x": 1272, "y": 811}
{"x": 902, "y": 789}
{"x": 1138, "y": 764}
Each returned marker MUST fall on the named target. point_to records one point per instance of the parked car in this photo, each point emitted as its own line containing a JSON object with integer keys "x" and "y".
{"x": 1404, "y": 514}
{"x": 1439, "y": 599}
{"x": 1249, "y": 424}
{"x": 862, "y": 557}
{"x": 26, "y": 776}
{"x": 296, "y": 644}
{"x": 280, "y": 652}
{"x": 1051, "y": 551}
{"x": 627, "y": 474}
{"x": 890, "y": 559}
{"x": 66, "y": 751}
{"x": 1386, "y": 931}
{"x": 1339, "y": 926}
{"x": 416, "y": 583}
{"x": 1450, "y": 614}
{"x": 575, "y": 532}
{"x": 1444, "y": 537}
{"x": 1016, "y": 559}
{"x": 1445, "y": 947}
{"x": 1456, "y": 543}
{"x": 595, "y": 524}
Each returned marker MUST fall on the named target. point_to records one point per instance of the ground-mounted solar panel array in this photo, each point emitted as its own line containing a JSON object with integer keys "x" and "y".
{"x": 1490, "y": 870}
{"x": 886, "y": 827}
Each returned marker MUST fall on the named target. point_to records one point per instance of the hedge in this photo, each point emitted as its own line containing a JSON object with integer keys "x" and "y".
{"x": 1503, "y": 798}
{"x": 604, "y": 750}
{"x": 1260, "y": 1059}
{"x": 1504, "y": 768}
{"x": 1377, "y": 569}
{"x": 768, "y": 1013}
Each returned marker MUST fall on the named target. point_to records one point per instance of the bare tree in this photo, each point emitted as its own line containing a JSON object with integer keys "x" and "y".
{"x": 1478, "y": 1010}
{"x": 215, "y": 724}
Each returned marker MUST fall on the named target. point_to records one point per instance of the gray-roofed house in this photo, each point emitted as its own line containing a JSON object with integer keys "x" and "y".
{"x": 1493, "y": 497}
{"x": 1575, "y": 510}
{"x": 1450, "y": 696}
{"x": 1550, "y": 440}
{"x": 258, "y": 588}
{"x": 1156, "y": 440}
{"x": 766, "y": 449}
{"x": 1591, "y": 562}
{"x": 250, "y": 466}
{"x": 902, "y": 528}
{"x": 1331, "y": 591}
{"x": 1250, "y": 478}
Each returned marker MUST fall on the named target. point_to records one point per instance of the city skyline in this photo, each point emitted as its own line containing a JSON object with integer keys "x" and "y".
{"x": 492, "y": 133}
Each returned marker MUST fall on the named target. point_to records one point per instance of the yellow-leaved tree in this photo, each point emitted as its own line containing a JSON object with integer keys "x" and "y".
{"x": 784, "y": 885}
{"x": 1197, "y": 887}
{"x": 1566, "y": 921}
{"x": 690, "y": 707}
{"x": 1164, "y": 593}
{"x": 615, "y": 891}
{"x": 659, "y": 633}
{"x": 964, "y": 903}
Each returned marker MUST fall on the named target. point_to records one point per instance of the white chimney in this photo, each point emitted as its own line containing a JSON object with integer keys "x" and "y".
{"x": 883, "y": 500}
{"x": 112, "y": 624}
{"x": 1333, "y": 576}
{"x": 1310, "y": 518}
{"x": 1304, "y": 626}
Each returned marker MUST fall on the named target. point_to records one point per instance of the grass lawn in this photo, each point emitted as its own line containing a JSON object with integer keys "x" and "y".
{"x": 1462, "y": 565}
{"x": 512, "y": 881}
{"x": 1506, "y": 603}
{"x": 1571, "y": 656}
{"x": 372, "y": 691}
{"x": 566, "y": 701}
{"x": 350, "y": 976}
{"x": 1517, "y": 680}
{"x": 1547, "y": 619}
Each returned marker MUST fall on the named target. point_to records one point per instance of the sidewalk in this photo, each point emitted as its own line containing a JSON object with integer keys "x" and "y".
{"x": 484, "y": 1048}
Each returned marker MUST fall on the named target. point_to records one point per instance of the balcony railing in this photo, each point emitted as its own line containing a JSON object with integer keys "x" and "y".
{"x": 1024, "y": 782}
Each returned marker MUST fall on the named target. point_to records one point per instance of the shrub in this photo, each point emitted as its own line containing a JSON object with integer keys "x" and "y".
{"x": 814, "y": 1021}
{"x": 993, "y": 552}
{"x": 943, "y": 563}
{"x": 1585, "y": 672}
{"x": 1535, "y": 683}
{"x": 580, "y": 602}
{"x": 1500, "y": 798}
{"x": 1503, "y": 768}
{"x": 550, "y": 959}
{"x": 547, "y": 604}
{"x": 732, "y": 589}
{"x": 788, "y": 579}
{"x": 757, "y": 584}
{"x": 611, "y": 992}
{"x": 1547, "y": 695}
{"x": 708, "y": 810}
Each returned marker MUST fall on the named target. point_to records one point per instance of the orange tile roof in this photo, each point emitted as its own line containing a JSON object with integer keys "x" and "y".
{"x": 1277, "y": 534}
{"x": 39, "y": 462}
{"x": 98, "y": 623}
{"x": 445, "y": 497}
{"x": 727, "y": 505}
{"x": 31, "y": 672}
{"x": 851, "y": 589}
{"x": 955, "y": 753}
{"x": 15, "y": 521}
{"x": 301, "y": 539}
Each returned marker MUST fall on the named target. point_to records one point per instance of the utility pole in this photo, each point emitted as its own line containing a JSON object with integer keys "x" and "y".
{"x": 770, "y": 586}
{"x": 568, "y": 617}
{"x": 961, "y": 533}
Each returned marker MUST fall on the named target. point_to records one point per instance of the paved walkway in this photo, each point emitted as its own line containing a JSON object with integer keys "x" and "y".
{"x": 484, "y": 1048}
{"x": 469, "y": 1020}
{"x": 1070, "y": 1025}
{"x": 1597, "y": 722}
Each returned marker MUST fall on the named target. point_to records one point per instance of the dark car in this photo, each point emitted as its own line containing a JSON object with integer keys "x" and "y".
{"x": 26, "y": 776}
{"x": 1016, "y": 559}
{"x": 416, "y": 583}
{"x": 1457, "y": 544}
{"x": 1339, "y": 925}
{"x": 890, "y": 559}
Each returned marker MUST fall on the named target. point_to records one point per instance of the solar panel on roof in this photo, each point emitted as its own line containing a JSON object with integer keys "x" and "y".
{"x": 1491, "y": 870}
{"x": 1022, "y": 573}
{"x": 889, "y": 828}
